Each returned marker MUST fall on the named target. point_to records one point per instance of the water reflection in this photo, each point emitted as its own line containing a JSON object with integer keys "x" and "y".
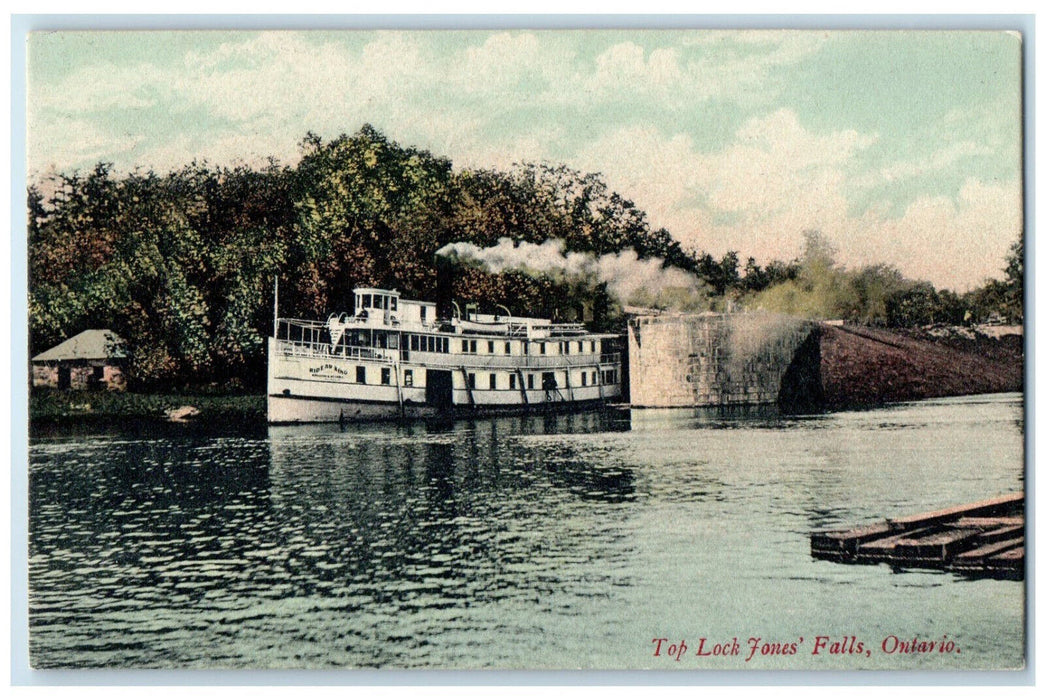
{"x": 509, "y": 543}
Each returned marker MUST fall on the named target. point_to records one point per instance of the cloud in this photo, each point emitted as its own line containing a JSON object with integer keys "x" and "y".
{"x": 694, "y": 127}
{"x": 53, "y": 146}
{"x": 939, "y": 160}
{"x": 502, "y": 60}
{"x": 743, "y": 66}
{"x": 954, "y": 242}
{"x": 626, "y": 65}
{"x": 775, "y": 179}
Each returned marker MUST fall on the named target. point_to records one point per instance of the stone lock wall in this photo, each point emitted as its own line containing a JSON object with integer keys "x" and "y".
{"x": 678, "y": 360}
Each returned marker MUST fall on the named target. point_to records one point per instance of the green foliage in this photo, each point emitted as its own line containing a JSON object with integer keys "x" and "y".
{"x": 51, "y": 404}
{"x": 877, "y": 295}
{"x": 181, "y": 265}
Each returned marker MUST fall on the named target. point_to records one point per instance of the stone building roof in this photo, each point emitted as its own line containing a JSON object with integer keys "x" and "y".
{"x": 96, "y": 344}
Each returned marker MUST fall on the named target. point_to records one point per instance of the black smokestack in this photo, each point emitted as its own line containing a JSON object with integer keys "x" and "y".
{"x": 445, "y": 274}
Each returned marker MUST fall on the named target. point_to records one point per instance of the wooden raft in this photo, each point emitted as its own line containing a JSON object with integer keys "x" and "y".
{"x": 977, "y": 539}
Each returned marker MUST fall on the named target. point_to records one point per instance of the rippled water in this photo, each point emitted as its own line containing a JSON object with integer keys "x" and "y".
{"x": 527, "y": 542}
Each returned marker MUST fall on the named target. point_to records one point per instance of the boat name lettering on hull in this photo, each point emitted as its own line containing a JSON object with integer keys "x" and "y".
{"x": 328, "y": 370}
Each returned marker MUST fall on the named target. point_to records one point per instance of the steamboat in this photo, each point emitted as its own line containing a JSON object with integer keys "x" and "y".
{"x": 394, "y": 358}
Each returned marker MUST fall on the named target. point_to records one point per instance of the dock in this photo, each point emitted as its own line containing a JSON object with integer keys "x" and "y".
{"x": 983, "y": 539}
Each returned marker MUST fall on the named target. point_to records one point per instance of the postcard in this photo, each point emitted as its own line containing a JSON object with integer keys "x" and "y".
{"x": 526, "y": 349}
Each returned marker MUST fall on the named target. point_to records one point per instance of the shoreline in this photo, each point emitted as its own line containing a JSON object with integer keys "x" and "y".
{"x": 852, "y": 367}
{"x": 52, "y": 407}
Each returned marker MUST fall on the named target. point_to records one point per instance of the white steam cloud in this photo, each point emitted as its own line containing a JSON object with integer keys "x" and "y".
{"x": 628, "y": 278}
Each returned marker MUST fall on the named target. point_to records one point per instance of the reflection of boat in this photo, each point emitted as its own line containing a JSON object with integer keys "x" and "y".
{"x": 394, "y": 358}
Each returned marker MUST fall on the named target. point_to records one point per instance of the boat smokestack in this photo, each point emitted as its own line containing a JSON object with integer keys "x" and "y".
{"x": 444, "y": 297}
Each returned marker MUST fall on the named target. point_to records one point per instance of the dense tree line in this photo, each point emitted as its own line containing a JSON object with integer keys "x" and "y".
{"x": 182, "y": 265}
{"x": 815, "y": 286}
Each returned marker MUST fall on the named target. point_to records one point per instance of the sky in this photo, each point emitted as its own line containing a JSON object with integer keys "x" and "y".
{"x": 900, "y": 147}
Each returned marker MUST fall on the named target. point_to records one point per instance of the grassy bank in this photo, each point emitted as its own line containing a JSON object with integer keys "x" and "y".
{"x": 870, "y": 367}
{"x": 62, "y": 406}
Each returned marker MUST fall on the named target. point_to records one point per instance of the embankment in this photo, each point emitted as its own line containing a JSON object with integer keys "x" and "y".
{"x": 52, "y": 406}
{"x": 868, "y": 367}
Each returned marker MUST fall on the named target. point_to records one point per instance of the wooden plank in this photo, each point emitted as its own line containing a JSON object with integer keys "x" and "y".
{"x": 936, "y": 547}
{"x": 1010, "y": 555}
{"x": 1008, "y": 564}
{"x": 1000, "y": 521}
{"x": 1000, "y": 534}
{"x": 976, "y": 557}
{"x": 1000, "y": 505}
{"x": 846, "y": 540}
{"x": 882, "y": 549}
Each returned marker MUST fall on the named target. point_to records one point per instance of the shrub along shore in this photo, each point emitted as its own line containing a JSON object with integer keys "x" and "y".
{"x": 81, "y": 406}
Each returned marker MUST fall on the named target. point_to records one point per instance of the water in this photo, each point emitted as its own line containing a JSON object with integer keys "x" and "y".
{"x": 527, "y": 542}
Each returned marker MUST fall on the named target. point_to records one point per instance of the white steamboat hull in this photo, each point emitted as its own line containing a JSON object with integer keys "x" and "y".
{"x": 290, "y": 409}
{"x": 339, "y": 389}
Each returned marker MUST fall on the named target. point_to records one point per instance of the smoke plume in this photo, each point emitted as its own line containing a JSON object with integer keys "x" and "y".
{"x": 631, "y": 280}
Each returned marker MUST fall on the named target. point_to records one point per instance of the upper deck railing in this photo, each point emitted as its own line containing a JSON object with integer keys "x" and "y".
{"x": 321, "y": 349}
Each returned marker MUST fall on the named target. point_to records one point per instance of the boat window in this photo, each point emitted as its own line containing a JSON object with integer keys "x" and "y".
{"x": 392, "y": 302}
{"x": 386, "y": 375}
{"x": 366, "y": 301}
{"x": 508, "y": 348}
{"x": 472, "y": 381}
{"x": 584, "y": 379}
{"x": 423, "y": 310}
{"x": 542, "y": 346}
{"x": 361, "y": 375}
{"x": 408, "y": 377}
{"x": 414, "y": 342}
{"x": 490, "y": 347}
{"x": 493, "y": 381}
{"x": 472, "y": 346}
{"x": 511, "y": 381}
{"x": 530, "y": 381}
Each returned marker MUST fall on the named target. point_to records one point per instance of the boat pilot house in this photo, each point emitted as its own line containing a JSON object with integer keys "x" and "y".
{"x": 93, "y": 359}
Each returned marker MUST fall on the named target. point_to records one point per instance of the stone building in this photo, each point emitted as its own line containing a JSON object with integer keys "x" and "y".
{"x": 94, "y": 359}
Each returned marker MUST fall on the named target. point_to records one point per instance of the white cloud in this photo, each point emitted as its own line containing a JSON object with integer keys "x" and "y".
{"x": 730, "y": 69}
{"x": 955, "y": 243}
{"x": 626, "y": 66}
{"x": 52, "y": 146}
{"x": 662, "y": 174}
{"x": 774, "y": 180}
{"x": 502, "y": 58}
{"x": 777, "y": 179}
{"x": 256, "y": 95}
{"x": 933, "y": 163}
